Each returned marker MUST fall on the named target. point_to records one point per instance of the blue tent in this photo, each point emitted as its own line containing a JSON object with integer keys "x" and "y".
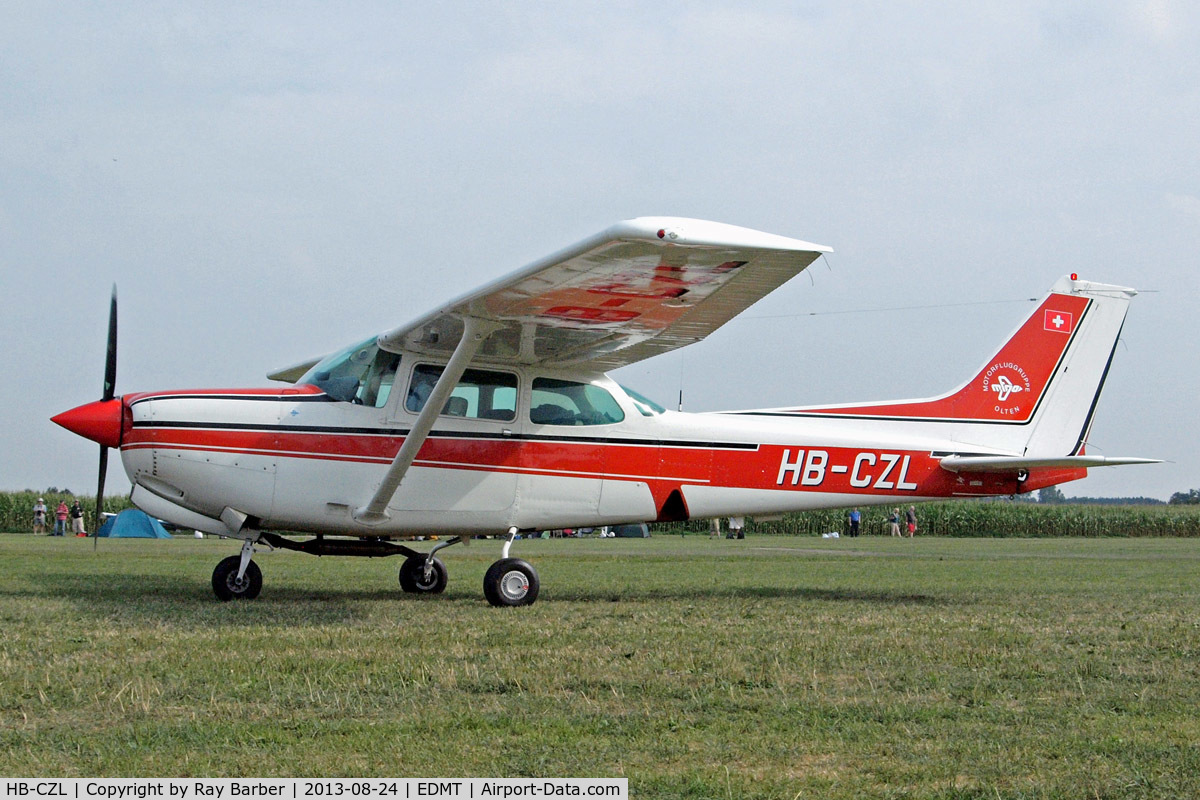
{"x": 133, "y": 524}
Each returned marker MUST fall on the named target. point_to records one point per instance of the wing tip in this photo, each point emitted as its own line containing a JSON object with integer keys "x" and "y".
{"x": 700, "y": 233}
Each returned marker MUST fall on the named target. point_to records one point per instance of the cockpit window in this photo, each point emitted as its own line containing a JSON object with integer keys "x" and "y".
{"x": 362, "y": 374}
{"x": 645, "y": 406}
{"x": 480, "y": 393}
{"x": 557, "y": 402}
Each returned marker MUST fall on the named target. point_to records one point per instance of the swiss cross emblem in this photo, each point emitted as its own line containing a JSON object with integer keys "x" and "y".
{"x": 1060, "y": 321}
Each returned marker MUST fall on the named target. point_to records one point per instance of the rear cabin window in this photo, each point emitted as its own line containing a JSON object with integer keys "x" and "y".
{"x": 557, "y": 402}
{"x": 362, "y": 374}
{"x": 480, "y": 394}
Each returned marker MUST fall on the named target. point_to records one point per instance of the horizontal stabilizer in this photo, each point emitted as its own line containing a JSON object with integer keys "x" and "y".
{"x": 295, "y": 372}
{"x": 1016, "y": 464}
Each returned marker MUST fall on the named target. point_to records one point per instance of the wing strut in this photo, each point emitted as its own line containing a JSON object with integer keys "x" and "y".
{"x": 475, "y": 332}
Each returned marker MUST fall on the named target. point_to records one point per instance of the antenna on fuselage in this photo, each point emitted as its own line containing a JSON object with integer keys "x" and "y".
{"x": 680, "y": 406}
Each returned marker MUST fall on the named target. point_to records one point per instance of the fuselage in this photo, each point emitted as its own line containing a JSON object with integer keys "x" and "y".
{"x": 299, "y": 459}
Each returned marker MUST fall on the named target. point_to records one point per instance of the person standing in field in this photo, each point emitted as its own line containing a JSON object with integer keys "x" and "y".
{"x": 60, "y": 518}
{"x": 894, "y": 522}
{"x": 39, "y": 516}
{"x": 77, "y": 519}
{"x": 855, "y": 521}
{"x": 911, "y": 517}
{"x": 735, "y": 528}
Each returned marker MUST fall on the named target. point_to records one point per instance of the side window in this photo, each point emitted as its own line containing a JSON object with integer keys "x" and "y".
{"x": 556, "y": 402}
{"x": 376, "y": 386}
{"x": 362, "y": 374}
{"x": 480, "y": 394}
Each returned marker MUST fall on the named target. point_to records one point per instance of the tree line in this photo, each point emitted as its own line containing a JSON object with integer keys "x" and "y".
{"x": 1191, "y": 498}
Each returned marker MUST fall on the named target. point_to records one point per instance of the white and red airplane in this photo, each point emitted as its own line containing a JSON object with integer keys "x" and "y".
{"x": 494, "y": 415}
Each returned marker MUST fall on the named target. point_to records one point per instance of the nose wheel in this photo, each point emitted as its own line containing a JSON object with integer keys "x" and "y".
{"x": 423, "y": 575}
{"x": 229, "y": 585}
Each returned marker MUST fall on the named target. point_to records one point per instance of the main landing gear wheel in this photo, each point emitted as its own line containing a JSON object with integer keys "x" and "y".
{"x": 413, "y": 577}
{"x": 511, "y": 582}
{"x": 226, "y": 584}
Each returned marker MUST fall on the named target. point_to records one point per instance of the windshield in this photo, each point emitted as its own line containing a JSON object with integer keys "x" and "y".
{"x": 361, "y": 374}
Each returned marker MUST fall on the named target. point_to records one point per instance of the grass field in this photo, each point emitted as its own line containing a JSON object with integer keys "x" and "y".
{"x": 774, "y": 667}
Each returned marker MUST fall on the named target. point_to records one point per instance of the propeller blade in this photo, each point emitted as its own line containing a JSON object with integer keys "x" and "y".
{"x": 110, "y": 363}
{"x": 100, "y": 496}
{"x": 110, "y": 384}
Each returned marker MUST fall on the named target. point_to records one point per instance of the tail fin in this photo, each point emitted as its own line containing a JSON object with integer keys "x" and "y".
{"x": 1068, "y": 402}
{"x": 1042, "y": 384}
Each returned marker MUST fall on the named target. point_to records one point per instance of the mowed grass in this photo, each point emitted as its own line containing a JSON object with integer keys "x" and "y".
{"x": 773, "y": 667}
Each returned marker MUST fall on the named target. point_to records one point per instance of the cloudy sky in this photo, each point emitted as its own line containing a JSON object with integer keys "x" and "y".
{"x": 268, "y": 182}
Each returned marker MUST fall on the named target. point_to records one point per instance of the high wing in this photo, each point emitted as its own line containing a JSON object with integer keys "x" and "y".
{"x": 642, "y": 287}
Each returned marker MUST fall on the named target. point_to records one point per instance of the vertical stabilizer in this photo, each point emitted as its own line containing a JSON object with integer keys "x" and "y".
{"x": 1041, "y": 386}
{"x": 1069, "y": 401}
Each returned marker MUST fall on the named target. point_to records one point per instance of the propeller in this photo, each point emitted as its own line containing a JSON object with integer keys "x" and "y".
{"x": 110, "y": 382}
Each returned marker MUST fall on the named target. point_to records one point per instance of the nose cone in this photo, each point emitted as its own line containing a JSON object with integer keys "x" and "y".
{"x": 99, "y": 421}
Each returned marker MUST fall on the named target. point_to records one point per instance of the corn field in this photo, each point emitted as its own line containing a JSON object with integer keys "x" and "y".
{"x": 16, "y": 509}
{"x": 975, "y": 518}
{"x": 958, "y": 518}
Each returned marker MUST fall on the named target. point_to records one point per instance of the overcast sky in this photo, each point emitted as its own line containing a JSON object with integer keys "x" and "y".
{"x": 266, "y": 183}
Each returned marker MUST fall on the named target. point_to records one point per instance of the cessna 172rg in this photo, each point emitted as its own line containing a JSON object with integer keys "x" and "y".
{"x": 494, "y": 415}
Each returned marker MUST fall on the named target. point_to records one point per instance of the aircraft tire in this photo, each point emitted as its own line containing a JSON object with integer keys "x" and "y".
{"x": 226, "y": 585}
{"x": 412, "y": 576}
{"x": 511, "y": 582}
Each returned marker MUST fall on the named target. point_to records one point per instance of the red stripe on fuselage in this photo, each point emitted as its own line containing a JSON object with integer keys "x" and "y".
{"x": 839, "y": 470}
{"x": 292, "y": 392}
